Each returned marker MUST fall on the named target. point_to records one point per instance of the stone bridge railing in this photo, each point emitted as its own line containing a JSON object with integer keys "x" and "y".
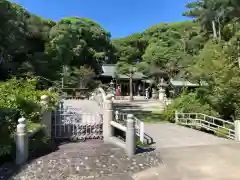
{"x": 121, "y": 118}
{"x": 99, "y": 96}
{"x": 127, "y": 125}
{"x": 114, "y": 119}
{"x": 228, "y": 129}
{"x": 23, "y": 134}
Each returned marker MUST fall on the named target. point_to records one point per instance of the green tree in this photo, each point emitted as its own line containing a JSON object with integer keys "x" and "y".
{"x": 214, "y": 67}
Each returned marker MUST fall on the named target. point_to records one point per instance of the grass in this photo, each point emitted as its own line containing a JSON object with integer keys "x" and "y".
{"x": 120, "y": 134}
{"x": 140, "y": 144}
{"x": 151, "y": 117}
{"x": 221, "y": 132}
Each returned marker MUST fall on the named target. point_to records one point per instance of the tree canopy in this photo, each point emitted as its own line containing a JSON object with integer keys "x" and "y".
{"x": 32, "y": 45}
{"x": 205, "y": 48}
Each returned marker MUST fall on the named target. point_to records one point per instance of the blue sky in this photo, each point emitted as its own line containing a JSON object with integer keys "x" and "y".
{"x": 120, "y": 17}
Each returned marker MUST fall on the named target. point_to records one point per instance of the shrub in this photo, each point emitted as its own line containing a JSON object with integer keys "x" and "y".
{"x": 39, "y": 143}
{"x": 19, "y": 98}
{"x": 188, "y": 103}
{"x": 224, "y": 132}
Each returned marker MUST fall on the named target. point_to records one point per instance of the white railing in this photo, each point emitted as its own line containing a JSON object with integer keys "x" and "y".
{"x": 121, "y": 118}
{"x": 210, "y": 123}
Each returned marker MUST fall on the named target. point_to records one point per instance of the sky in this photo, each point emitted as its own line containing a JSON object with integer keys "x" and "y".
{"x": 120, "y": 17}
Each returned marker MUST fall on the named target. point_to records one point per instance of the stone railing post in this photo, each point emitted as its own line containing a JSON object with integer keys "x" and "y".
{"x": 130, "y": 136}
{"x": 46, "y": 115}
{"x": 176, "y": 117}
{"x": 21, "y": 142}
{"x": 107, "y": 118}
{"x": 237, "y": 130}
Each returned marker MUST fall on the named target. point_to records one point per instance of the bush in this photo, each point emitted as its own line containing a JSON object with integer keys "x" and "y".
{"x": 188, "y": 103}
{"x": 6, "y": 143}
{"x": 39, "y": 143}
{"x": 19, "y": 98}
{"x": 224, "y": 132}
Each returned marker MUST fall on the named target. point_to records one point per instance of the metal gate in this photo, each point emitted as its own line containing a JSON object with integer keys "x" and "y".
{"x": 71, "y": 123}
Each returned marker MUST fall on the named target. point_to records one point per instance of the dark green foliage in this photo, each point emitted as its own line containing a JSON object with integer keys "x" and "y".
{"x": 169, "y": 46}
{"x": 39, "y": 143}
{"x": 19, "y": 98}
{"x": 188, "y": 103}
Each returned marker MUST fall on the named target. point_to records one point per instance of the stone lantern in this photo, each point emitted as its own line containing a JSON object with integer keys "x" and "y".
{"x": 162, "y": 90}
{"x": 160, "y": 77}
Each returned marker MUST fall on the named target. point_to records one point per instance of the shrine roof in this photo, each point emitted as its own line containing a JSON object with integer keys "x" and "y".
{"x": 110, "y": 70}
{"x": 186, "y": 83}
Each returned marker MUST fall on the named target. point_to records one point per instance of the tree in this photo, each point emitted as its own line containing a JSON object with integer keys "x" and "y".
{"x": 222, "y": 76}
{"x": 78, "y": 77}
{"x": 78, "y": 42}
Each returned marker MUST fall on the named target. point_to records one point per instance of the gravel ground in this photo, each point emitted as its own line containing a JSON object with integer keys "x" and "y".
{"x": 89, "y": 160}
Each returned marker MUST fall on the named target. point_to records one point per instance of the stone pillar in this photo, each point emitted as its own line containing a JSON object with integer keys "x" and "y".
{"x": 107, "y": 118}
{"x": 237, "y": 130}
{"x": 146, "y": 94}
{"x": 46, "y": 116}
{"x": 130, "y": 136}
{"x": 161, "y": 95}
{"x": 176, "y": 117}
{"x": 44, "y": 100}
{"x": 153, "y": 93}
{"x": 141, "y": 132}
{"x": 117, "y": 116}
{"x": 21, "y": 142}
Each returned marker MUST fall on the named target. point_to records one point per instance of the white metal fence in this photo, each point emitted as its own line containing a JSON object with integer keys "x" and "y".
{"x": 216, "y": 125}
{"x": 71, "y": 123}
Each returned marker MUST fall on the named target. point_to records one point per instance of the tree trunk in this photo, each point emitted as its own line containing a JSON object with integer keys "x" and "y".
{"x": 130, "y": 87}
{"x": 214, "y": 29}
{"x": 219, "y": 31}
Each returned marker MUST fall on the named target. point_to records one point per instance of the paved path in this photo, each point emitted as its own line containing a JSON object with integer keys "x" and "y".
{"x": 208, "y": 162}
{"x": 189, "y": 154}
{"x": 168, "y": 135}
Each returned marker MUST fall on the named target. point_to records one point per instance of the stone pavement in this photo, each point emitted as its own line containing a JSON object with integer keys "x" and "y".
{"x": 168, "y": 135}
{"x": 90, "y": 160}
{"x": 209, "y": 162}
{"x": 189, "y": 154}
